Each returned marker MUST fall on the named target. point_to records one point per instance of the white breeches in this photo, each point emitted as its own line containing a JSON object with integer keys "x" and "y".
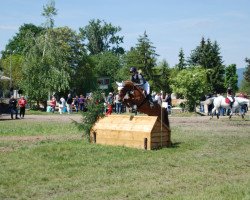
{"x": 146, "y": 87}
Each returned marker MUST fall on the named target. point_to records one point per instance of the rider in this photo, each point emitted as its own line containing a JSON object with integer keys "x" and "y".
{"x": 230, "y": 96}
{"x": 138, "y": 79}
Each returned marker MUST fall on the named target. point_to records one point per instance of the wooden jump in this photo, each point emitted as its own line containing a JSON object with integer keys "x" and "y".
{"x": 143, "y": 132}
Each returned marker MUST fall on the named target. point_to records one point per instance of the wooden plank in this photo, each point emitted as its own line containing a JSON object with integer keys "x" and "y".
{"x": 127, "y": 143}
{"x": 122, "y": 135}
{"x": 156, "y": 134}
{"x": 158, "y": 139}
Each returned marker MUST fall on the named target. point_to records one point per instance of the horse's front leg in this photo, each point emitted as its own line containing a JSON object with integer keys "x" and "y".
{"x": 243, "y": 111}
{"x": 212, "y": 112}
{"x": 231, "y": 113}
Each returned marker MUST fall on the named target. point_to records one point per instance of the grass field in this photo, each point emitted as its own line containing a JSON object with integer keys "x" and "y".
{"x": 47, "y": 159}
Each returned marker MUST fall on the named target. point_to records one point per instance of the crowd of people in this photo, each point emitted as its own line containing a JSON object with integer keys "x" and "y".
{"x": 67, "y": 105}
{"x": 112, "y": 103}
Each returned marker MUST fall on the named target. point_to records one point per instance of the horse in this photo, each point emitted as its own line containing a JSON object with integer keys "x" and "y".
{"x": 133, "y": 95}
{"x": 208, "y": 103}
{"x": 221, "y": 101}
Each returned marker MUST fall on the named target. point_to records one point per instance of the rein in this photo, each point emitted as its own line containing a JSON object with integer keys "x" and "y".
{"x": 133, "y": 89}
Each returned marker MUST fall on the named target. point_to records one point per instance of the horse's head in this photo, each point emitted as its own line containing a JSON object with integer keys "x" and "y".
{"x": 129, "y": 92}
{"x": 125, "y": 87}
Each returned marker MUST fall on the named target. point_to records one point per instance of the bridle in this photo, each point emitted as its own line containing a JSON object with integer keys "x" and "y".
{"x": 130, "y": 90}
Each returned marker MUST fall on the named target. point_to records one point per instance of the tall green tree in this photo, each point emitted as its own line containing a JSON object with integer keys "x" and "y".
{"x": 18, "y": 44}
{"x": 231, "y": 77}
{"x": 46, "y": 65}
{"x": 144, "y": 57}
{"x": 245, "y": 86}
{"x": 192, "y": 84}
{"x": 147, "y": 56}
{"x": 49, "y": 12}
{"x": 207, "y": 55}
{"x": 181, "y": 65}
{"x": 12, "y": 67}
{"x": 247, "y": 70}
{"x": 45, "y": 72}
{"x": 101, "y": 36}
{"x": 107, "y": 64}
{"x": 162, "y": 74}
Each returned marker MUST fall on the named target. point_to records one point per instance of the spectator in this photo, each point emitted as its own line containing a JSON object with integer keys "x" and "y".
{"x": 110, "y": 103}
{"x": 13, "y": 107}
{"x": 118, "y": 104}
{"x": 61, "y": 105}
{"x": 158, "y": 98}
{"x": 76, "y": 103}
{"x": 53, "y": 104}
{"x": 69, "y": 103}
{"x": 81, "y": 102}
{"x": 22, "y": 103}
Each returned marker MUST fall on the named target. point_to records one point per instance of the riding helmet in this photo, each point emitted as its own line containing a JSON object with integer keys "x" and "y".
{"x": 133, "y": 69}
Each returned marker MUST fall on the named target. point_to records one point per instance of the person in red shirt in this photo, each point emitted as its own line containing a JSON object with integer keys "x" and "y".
{"x": 22, "y": 103}
{"x": 53, "y": 104}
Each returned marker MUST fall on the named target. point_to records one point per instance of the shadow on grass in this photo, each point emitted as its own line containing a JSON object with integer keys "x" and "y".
{"x": 175, "y": 145}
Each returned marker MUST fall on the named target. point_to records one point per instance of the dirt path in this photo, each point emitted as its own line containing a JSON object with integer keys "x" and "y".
{"x": 201, "y": 122}
{"x": 44, "y": 118}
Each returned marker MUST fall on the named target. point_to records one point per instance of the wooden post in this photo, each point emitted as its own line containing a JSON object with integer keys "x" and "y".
{"x": 145, "y": 143}
{"x": 94, "y": 137}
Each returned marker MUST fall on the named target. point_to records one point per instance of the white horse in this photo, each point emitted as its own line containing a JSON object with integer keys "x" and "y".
{"x": 220, "y": 102}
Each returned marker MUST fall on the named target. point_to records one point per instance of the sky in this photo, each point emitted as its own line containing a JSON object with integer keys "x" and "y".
{"x": 169, "y": 24}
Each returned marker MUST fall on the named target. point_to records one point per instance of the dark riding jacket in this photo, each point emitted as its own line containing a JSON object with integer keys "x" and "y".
{"x": 138, "y": 79}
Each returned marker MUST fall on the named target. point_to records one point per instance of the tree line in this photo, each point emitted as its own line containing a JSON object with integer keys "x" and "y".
{"x": 46, "y": 59}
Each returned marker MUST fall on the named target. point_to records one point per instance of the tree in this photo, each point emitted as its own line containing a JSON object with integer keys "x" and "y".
{"x": 12, "y": 67}
{"x": 231, "y": 77}
{"x": 107, "y": 64}
{"x": 95, "y": 107}
{"x": 146, "y": 56}
{"x": 143, "y": 56}
{"x": 247, "y": 71}
{"x": 19, "y": 42}
{"x": 45, "y": 72}
{"x": 207, "y": 55}
{"x": 192, "y": 84}
{"x": 101, "y": 36}
{"x": 46, "y": 65}
{"x": 49, "y": 12}
{"x": 181, "y": 65}
{"x": 163, "y": 72}
{"x": 245, "y": 86}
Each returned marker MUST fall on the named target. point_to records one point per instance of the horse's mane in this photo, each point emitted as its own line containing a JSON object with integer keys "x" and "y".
{"x": 131, "y": 84}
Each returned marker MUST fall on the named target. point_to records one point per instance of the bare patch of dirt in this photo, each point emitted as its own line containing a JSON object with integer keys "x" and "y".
{"x": 44, "y": 118}
{"x": 39, "y": 138}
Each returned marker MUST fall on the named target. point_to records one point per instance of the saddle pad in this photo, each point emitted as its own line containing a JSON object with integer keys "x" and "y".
{"x": 227, "y": 100}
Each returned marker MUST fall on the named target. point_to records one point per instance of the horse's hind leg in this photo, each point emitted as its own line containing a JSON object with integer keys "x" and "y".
{"x": 218, "y": 115}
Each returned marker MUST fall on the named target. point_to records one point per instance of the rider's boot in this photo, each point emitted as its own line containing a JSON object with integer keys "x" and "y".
{"x": 231, "y": 104}
{"x": 149, "y": 98}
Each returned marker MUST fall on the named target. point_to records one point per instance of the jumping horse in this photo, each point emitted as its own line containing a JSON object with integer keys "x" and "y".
{"x": 133, "y": 95}
{"x": 221, "y": 102}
